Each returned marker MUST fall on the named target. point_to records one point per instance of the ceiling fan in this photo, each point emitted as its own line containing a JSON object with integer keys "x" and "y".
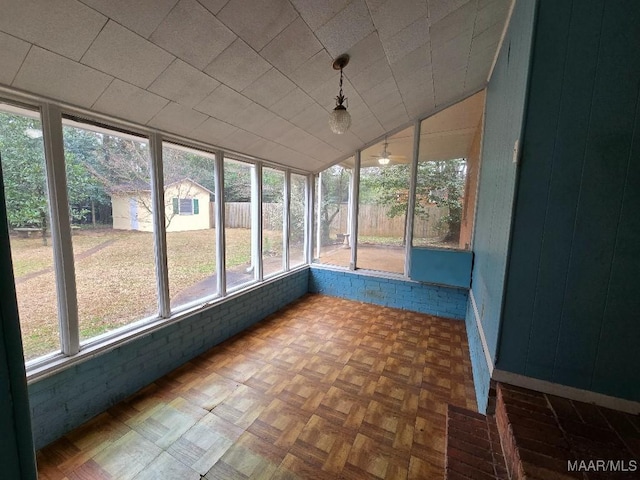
{"x": 386, "y": 156}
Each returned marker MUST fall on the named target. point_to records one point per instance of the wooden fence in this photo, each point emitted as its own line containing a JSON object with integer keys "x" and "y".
{"x": 372, "y": 220}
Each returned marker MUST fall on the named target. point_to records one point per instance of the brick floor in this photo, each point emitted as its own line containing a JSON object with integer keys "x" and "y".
{"x": 473, "y": 447}
{"x": 541, "y": 434}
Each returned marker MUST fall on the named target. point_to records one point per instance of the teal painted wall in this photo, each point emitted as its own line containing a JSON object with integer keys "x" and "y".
{"x": 17, "y": 456}
{"x": 505, "y": 105}
{"x": 572, "y": 298}
{"x": 69, "y": 398}
{"x": 440, "y": 266}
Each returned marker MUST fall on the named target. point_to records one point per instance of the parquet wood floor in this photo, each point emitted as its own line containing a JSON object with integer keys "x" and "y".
{"x": 325, "y": 388}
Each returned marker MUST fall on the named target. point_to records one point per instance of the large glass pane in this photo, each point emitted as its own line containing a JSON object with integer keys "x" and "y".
{"x": 240, "y": 243}
{"x": 190, "y": 222}
{"x": 23, "y": 170}
{"x": 272, "y": 221}
{"x": 297, "y": 212}
{"x": 383, "y": 197}
{"x": 448, "y": 165}
{"x": 110, "y": 204}
{"x": 333, "y": 242}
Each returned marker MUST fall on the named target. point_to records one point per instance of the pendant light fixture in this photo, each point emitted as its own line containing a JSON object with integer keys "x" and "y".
{"x": 384, "y": 157}
{"x": 339, "y": 118}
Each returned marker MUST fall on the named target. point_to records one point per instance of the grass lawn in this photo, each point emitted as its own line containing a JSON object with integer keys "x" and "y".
{"x": 115, "y": 278}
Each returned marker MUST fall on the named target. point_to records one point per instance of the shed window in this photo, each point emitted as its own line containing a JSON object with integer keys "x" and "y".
{"x": 186, "y": 206}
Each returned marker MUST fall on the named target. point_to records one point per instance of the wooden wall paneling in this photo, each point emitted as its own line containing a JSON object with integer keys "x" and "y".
{"x": 613, "y": 108}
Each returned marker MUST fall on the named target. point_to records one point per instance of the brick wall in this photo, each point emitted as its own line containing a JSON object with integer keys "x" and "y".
{"x": 445, "y": 302}
{"x": 69, "y": 398}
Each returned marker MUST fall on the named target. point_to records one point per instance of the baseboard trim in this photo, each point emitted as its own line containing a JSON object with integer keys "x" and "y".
{"x": 565, "y": 391}
{"x": 483, "y": 339}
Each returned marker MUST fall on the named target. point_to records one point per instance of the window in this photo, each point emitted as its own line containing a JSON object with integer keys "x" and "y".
{"x": 111, "y": 207}
{"x": 272, "y": 221}
{"x": 297, "y": 214}
{"x": 190, "y": 224}
{"x": 28, "y": 212}
{"x": 241, "y": 230}
{"x": 123, "y": 259}
{"x": 333, "y": 223}
{"x": 185, "y": 206}
{"x": 383, "y": 198}
{"x": 446, "y": 181}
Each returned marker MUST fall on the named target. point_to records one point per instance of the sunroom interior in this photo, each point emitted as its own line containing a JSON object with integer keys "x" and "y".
{"x": 170, "y": 180}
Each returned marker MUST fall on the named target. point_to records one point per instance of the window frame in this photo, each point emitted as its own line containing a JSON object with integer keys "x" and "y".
{"x": 73, "y": 350}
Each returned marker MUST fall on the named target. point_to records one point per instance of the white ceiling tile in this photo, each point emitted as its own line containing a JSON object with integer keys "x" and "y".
{"x": 176, "y": 118}
{"x": 326, "y": 93}
{"x": 55, "y": 76}
{"x": 262, "y": 148}
{"x": 461, "y": 19}
{"x": 269, "y": 88}
{"x": 374, "y": 5}
{"x": 238, "y": 66}
{"x": 371, "y": 76}
{"x": 251, "y": 117}
{"x": 314, "y": 72}
{"x": 66, "y": 27}
{"x": 292, "y": 47}
{"x": 346, "y": 143}
{"x": 223, "y": 103}
{"x": 257, "y": 22}
{"x": 213, "y": 131}
{"x": 127, "y": 101}
{"x": 419, "y": 76}
{"x": 382, "y": 92}
{"x": 184, "y": 84}
{"x": 126, "y": 55}
{"x": 393, "y": 16}
{"x": 214, "y": 6}
{"x": 317, "y": 12}
{"x": 494, "y": 12}
{"x": 487, "y": 38}
{"x": 407, "y": 40}
{"x": 417, "y": 59}
{"x": 193, "y": 33}
{"x": 292, "y": 104}
{"x": 367, "y": 127}
{"x": 12, "y": 53}
{"x": 346, "y": 29}
{"x": 364, "y": 53}
{"x": 312, "y": 118}
{"x": 141, "y": 16}
{"x": 439, "y": 9}
{"x": 394, "y": 117}
{"x": 240, "y": 140}
{"x": 275, "y": 127}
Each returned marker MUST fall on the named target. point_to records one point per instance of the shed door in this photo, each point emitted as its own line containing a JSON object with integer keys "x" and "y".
{"x": 133, "y": 213}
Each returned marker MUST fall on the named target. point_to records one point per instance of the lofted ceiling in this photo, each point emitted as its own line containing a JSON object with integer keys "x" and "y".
{"x": 254, "y": 76}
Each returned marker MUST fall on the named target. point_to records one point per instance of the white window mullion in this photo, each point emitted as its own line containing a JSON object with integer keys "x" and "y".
{"x": 353, "y": 211}
{"x": 256, "y": 221}
{"x": 318, "y": 199}
{"x": 308, "y": 218}
{"x": 221, "y": 274}
{"x": 413, "y": 181}
{"x": 286, "y": 220}
{"x": 159, "y": 225}
{"x": 61, "y": 230}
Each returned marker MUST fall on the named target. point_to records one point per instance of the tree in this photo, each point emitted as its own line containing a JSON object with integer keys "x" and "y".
{"x": 439, "y": 183}
{"x": 24, "y": 172}
{"x": 334, "y": 193}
